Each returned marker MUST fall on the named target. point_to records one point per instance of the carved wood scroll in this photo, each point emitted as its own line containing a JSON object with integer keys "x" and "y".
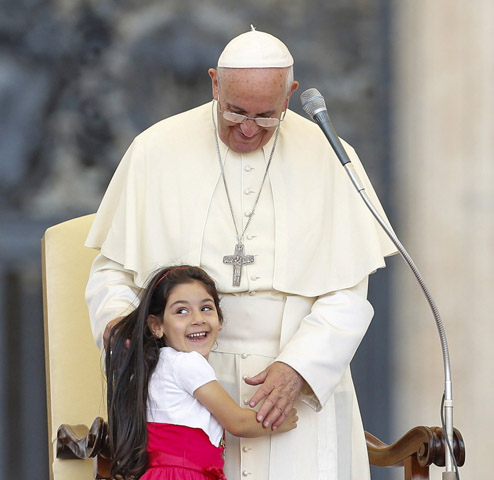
{"x": 415, "y": 451}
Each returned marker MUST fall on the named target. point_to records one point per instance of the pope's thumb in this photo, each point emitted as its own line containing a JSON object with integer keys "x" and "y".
{"x": 257, "y": 379}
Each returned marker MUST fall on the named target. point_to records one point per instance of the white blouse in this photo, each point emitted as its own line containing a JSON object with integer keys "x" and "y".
{"x": 171, "y": 392}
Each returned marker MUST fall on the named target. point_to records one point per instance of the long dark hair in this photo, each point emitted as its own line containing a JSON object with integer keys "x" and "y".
{"x": 131, "y": 359}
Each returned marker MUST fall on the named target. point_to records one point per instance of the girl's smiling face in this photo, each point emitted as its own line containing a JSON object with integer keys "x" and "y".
{"x": 190, "y": 321}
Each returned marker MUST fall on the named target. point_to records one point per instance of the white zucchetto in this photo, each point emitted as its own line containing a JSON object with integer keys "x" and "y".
{"x": 255, "y": 50}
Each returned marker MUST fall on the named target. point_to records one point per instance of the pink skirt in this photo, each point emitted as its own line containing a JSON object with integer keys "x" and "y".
{"x": 176, "y": 452}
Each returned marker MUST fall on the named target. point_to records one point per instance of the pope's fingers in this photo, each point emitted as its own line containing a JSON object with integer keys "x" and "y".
{"x": 106, "y": 336}
{"x": 264, "y": 391}
{"x": 281, "y": 389}
{"x": 274, "y": 406}
{"x": 277, "y": 414}
{"x": 257, "y": 379}
{"x": 269, "y": 411}
{"x": 107, "y": 332}
{"x": 268, "y": 380}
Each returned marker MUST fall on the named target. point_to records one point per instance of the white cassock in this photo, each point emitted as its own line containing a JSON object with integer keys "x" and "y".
{"x": 302, "y": 301}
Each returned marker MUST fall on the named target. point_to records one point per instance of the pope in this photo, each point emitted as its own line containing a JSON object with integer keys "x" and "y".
{"x": 252, "y": 192}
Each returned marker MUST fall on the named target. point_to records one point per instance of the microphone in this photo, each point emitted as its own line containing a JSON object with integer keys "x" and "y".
{"x": 314, "y": 105}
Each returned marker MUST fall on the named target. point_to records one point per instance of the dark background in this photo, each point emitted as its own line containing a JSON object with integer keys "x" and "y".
{"x": 79, "y": 79}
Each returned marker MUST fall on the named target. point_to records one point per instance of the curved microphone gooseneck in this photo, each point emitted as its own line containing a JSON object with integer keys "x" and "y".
{"x": 314, "y": 105}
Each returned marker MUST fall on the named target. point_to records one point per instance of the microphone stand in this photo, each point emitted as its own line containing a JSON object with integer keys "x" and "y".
{"x": 449, "y": 474}
{"x": 313, "y": 103}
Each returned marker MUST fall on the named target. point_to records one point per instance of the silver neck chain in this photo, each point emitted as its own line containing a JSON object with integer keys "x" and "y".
{"x": 222, "y": 168}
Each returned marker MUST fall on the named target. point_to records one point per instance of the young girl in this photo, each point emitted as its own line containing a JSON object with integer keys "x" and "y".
{"x": 166, "y": 410}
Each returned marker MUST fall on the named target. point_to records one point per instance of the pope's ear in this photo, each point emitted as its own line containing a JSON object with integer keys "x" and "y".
{"x": 292, "y": 89}
{"x": 213, "y": 73}
{"x": 155, "y": 324}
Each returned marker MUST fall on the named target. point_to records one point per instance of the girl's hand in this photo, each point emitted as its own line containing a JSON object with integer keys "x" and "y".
{"x": 289, "y": 423}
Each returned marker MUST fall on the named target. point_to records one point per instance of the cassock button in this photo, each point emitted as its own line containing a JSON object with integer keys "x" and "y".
{"x": 246, "y": 401}
{"x": 246, "y": 449}
{"x": 252, "y": 293}
{"x": 246, "y": 473}
{"x": 254, "y": 277}
{"x": 251, "y": 236}
{"x": 248, "y": 168}
{"x": 244, "y": 355}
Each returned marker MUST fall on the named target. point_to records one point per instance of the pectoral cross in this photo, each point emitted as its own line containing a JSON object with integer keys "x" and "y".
{"x": 237, "y": 260}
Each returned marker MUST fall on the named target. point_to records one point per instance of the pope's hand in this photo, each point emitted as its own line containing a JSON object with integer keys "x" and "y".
{"x": 106, "y": 334}
{"x": 280, "y": 388}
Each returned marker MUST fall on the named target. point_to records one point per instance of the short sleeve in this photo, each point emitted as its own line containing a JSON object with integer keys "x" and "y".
{"x": 192, "y": 371}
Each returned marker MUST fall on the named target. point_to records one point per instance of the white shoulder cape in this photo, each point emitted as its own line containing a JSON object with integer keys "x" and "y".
{"x": 155, "y": 209}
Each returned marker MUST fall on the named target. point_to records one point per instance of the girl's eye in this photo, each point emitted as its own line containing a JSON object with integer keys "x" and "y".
{"x": 182, "y": 310}
{"x": 207, "y": 308}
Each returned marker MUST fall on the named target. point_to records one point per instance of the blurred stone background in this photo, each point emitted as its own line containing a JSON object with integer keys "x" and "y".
{"x": 80, "y": 78}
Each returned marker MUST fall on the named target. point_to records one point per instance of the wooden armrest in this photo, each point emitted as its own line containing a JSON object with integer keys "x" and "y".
{"x": 416, "y": 450}
{"x": 81, "y": 442}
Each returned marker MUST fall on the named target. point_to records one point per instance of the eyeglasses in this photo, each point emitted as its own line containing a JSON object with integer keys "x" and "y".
{"x": 265, "y": 122}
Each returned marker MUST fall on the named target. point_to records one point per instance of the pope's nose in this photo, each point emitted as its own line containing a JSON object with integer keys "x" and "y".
{"x": 249, "y": 128}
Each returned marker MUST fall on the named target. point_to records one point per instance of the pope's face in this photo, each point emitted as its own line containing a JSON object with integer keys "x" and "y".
{"x": 253, "y": 92}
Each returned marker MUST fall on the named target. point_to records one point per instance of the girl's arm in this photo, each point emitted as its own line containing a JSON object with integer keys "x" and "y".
{"x": 239, "y": 421}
